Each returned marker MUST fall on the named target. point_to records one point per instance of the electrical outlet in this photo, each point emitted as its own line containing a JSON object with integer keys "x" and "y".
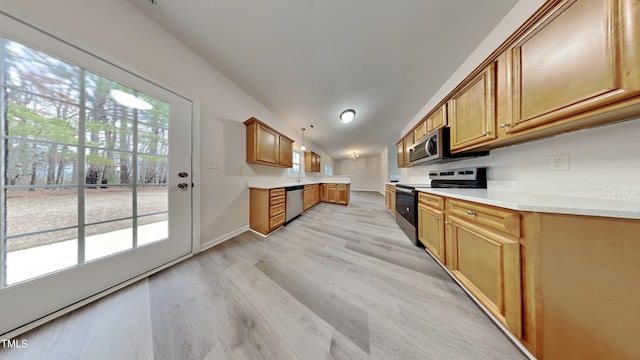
{"x": 240, "y": 170}
{"x": 559, "y": 162}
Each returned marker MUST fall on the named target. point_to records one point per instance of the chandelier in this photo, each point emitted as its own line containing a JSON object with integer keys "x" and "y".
{"x": 354, "y": 156}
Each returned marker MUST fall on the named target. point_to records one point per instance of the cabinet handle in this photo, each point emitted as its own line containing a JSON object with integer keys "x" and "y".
{"x": 505, "y": 125}
{"x": 486, "y": 133}
{"x": 469, "y": 212}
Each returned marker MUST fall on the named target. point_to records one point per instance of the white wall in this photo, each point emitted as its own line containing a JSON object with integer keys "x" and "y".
{"x": 117, "y": 31}
{"x": 366, "y": 172}
{"x": 384, "y": 170}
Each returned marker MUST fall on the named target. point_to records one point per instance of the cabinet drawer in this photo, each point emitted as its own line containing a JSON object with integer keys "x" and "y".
{"x": 499, "y": 219}
{"x": 341, "y": 186}
{"x": 434, "y": 201}
{"x": 277, "y": 209}
{"x": 276, "y": 221}
{"x": 276, "y": 200}
{"x": 276, "y": 192}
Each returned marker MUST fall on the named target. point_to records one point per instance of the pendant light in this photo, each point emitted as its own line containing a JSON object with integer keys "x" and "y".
{"x": 303, "y": 148}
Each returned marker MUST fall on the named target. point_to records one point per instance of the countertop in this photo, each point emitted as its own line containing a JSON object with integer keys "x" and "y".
{"x": 281, "y": 182}
{"x": 547, "y": 203}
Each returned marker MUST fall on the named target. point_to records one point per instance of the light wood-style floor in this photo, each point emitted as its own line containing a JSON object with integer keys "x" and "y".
{"x": 337, "y": 283}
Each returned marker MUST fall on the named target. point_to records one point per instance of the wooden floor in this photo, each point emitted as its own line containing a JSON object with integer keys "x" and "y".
{"x": 337, "y": 283}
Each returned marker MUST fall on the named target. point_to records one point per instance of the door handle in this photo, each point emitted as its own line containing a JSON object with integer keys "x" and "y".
{"x": 183, "y": 174}
{"x": 183, "y": 186}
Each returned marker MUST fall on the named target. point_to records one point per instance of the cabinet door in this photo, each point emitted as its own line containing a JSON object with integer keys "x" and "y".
{"x": 420, "y": 131}
{"x": 308, "y": 199}
{"x": 332, "y": 195}
{"x": 400, "y": 151}
{"x": 408, "y": 143}
{"x": 431, "y": 231}
{"x": 342, "y": 195}
{"x": 472, "y": 112}
{"x": 438, "y": 119}
{"x": 584, "y": 55}
{"x": 286, "y": 152}
{"x": 267, "y": 149}
{"x": 393, "y": 201}
{"x": 488, "y": 264}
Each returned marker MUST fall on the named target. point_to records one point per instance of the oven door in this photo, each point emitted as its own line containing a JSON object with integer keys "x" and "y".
{"x": 406, "y": 215}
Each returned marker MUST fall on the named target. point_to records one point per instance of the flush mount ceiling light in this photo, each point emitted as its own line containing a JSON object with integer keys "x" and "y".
{"x": 354, "y": 156}
{"x": 303, "y": 148}
{"x": 129, "y": 100}
{"x": 347, "y": 115}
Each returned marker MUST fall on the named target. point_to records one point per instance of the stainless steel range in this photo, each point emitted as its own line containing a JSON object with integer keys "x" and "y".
{"x": 407, "y": 195}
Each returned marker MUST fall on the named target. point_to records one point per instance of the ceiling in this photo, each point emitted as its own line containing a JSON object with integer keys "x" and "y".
{"x": 307, "y": 60}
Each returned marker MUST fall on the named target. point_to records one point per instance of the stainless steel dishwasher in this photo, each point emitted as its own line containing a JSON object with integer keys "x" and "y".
{"x": 295, "y": 202}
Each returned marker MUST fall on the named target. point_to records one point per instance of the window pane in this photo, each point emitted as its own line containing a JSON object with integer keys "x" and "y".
{"x": 153, "y": 139}
{"x": 152, "y": 169}
{"x": 152, "y": 199}
{"x": 110, "y": 130}
{"x": 109, "y": 238}
{"x": 26, "y": 263}
{"x": 38, "y": 118}
{"x": 35, "y": 72}
{"x": 108, "y": 203}
{"x": 35, "y": 210}
{"x": 153, "y": 228}
{"x": 106, "y": 167}
{"x": 36, "y": 163}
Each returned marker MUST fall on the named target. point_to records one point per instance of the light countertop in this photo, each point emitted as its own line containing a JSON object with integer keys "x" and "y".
{"x": 547, "y": 203}
{"x": 283, "y": 182}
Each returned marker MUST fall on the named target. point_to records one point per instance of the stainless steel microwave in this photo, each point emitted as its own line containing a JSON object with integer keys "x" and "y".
{"x": 436, "y": 148}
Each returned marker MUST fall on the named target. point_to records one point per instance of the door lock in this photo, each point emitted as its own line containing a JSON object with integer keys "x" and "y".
{"x": 183, "y": 174}
{"x": 183, "y": 186}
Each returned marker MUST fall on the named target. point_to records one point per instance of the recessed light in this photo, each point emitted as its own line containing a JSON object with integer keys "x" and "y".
{"x": 347, "y": 115}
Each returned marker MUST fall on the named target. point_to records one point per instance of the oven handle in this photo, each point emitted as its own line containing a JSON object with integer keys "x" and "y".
{"x": 406, "y": 191}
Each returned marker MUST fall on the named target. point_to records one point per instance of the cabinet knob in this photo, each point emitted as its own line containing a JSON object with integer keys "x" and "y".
{"x": 437, "y": 218}
{"x": 505, "y": 125}
{"x": 447, "y": 223}
{"x": 469, "y": 212}
{"x": 486, "y": 133}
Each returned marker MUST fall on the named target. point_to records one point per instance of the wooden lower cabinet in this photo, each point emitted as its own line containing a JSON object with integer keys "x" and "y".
{"x": 337, "y": 194}
{"x": 431, "y": 230}
{"x": 267, "y": 209}
{"x": 390, "y": 198}
{"x": 311, "y": 196}
{"x": 488, "y": 264}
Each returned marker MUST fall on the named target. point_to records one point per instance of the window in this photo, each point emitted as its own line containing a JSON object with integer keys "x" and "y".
{"x": 295, "y": 169}
{"x": 328, "y": 170}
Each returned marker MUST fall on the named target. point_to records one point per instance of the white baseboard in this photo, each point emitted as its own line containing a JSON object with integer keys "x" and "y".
{"x": 368, "y": 190}
{"x": 220, "y": 239}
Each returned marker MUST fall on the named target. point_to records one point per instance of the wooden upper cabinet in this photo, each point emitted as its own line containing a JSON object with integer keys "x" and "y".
{"x": 266, "y": 146}
{"x": 421, "y": 131}
{"x": 582, "y": 55}
{"x": 311, "y": 162}
{"x": 408, "y": 143}
{"x": 438, "y": 119}
{"x": 400, "y": 149}
{"x": 286, "y": 152}
{"x": 472, "y": 111}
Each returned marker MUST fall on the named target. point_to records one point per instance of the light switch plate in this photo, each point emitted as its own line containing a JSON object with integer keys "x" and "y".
{"x": 215, "y": 165}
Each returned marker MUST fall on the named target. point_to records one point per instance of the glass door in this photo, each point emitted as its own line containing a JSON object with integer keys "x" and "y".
{"x": 96, "y": 175}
